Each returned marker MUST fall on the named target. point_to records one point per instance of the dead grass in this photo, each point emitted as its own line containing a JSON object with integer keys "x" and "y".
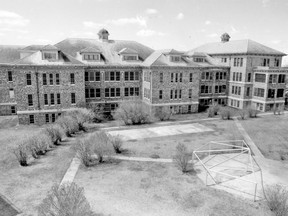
{"x": 165, "y": 146}
{"x": 269, "y": 133}
{"x": 156, "y": 189}
{"x": 27, "y": 186}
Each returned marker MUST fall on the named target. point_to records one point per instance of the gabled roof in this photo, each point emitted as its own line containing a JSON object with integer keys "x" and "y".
{"x": 50, "y": 47}
{"x": 236, "y": 47}
{"x": 90, "y": 50}
{"x": 127, "y": 51}
{"x": 36, "y": 59}
{"x": 9, "y": 53}
{"x": 172, "y": 52}
{"x": 109, "y": 49}
{"x": 33, "y": 47}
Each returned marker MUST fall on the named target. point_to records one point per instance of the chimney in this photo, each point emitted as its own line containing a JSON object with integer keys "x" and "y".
{"x": 103, "y": 35}
{"x": 225, "y": 38}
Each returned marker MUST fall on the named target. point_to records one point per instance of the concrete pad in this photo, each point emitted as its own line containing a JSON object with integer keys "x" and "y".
{"x": 160, "y": 131}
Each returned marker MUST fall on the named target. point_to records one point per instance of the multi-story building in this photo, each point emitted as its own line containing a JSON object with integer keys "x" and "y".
{"x": 38, "y": 82}
{"x": 246, "y": 59}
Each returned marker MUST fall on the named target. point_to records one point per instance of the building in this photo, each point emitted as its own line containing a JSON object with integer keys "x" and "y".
{"x": 256, "y": 76}
{"x": 38, "y": 82}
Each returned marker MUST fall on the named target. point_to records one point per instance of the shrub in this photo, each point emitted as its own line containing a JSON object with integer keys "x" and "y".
{"x": 69, "y": 124}
{"x": 39, "y": 144}
{"x": 117, "y": 143}
{"x": 226, "y": 113}
{"x": 213, "y": 109}
{"x": 21, "y": 153}
{"x": 98, "y": 112}
{"x": 81, "y": 115}
{"x": 163, "y": 113}
{"x": 242, "y": 113}
{"x": 102, "y": 145}
{"x": 133, "y": 112}
{"x": 252, "y": 113}
{"x": 277, "y": 199}
{"x": 56, "y": 133}
{"x": 85, "y": 152}
{"x": 181, "y": 158}
{"x": 68, "y": 200}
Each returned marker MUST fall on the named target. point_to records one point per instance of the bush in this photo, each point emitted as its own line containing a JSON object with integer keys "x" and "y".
{"x": 277, "y": 199}
{"x": 226, "y": 113}
{"x": 69, "y": 124}
{"x": 81, "y": 115}
{"x": 133, "y": 112}
{"x": 252, "y": 113}
{"x": 21, "y": 153}
{"x": 56, "y": 133}
{"x": 117, "y": 143}
{"x": 102, "y": 145}
{"x": 181, "y": 158}
{"x": 213, "y": 110}
{"x": 39, "y": 144}
{"x": 98, "y": 112}
{"x": 85, "y": 152}
{"x": 163, "y": 113}
{"x": 242, "y": 114}
{"x": 68, "y": 200}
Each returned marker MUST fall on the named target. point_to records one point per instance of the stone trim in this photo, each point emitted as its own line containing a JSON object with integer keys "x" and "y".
{"x": 172, "y": 104}
{"x": 43, "y": 111}
{"x": 8, "y": 104}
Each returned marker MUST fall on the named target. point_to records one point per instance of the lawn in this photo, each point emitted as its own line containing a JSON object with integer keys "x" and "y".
{"x": 165, "y": 146}
{"x": 270, "y": 134}
{"x": 26, "y": 187}
{"x": 157, "y": 189}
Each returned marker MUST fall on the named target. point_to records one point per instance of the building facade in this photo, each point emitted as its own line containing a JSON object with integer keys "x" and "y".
{"x": 38, "y": 83}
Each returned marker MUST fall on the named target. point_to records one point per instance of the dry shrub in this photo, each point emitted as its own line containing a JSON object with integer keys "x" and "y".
{"x": 102, "y": 145}
{"x": 117, "y": 143}
{"x": 56, "y": 133}
{"x": 277, "y": 199}
{"x": 67, "y": 200}
{"x": 213, "y": 110}
{"x": 163, "y": 113}
{"x": 181, "y": 158}
{"x": 21, "y": 152}
{"x": 243, "y": 114}
{"x": 252, "y": 113}
{"x": 39, "y": 144}
{"x": 133, "y": 112}
{"x": 226, "y": 113}
{"x": 84, "y": 149}
{"x": 81, "y": 115}
{"x": 69, "y": 124}
{"x": 98, "y": 111}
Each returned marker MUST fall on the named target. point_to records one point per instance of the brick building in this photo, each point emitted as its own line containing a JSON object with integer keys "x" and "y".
{"x": 38, "y": 82}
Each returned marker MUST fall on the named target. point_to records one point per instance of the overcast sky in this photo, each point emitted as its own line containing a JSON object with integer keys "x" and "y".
{"x": 179, "y": 24}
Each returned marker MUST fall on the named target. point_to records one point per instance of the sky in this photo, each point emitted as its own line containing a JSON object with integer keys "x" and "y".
{"x": 159, "y": 24}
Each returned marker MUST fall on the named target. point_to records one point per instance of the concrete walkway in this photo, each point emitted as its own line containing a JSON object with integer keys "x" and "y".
{"x": 71, "y": 171}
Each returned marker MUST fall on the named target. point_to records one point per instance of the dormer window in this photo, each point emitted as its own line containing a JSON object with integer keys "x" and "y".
{"x": 175, "y": 58}
{"x": 50, "y": 55}
{"x": 91, "y": 54}
{"x": 50, "y": 52}
{"x": 91, "y": 57}
{"x": 130, "y": 57}
{"x": 199, "y": 59}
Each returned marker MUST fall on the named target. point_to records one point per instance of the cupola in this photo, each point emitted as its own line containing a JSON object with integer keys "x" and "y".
{"x": 103, "y": 35}
{"x": 225, "y": 38}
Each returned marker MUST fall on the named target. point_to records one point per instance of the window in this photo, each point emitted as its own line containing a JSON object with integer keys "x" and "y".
{"x": 112, "y": 76}
{"x": 126, "y": 75}
{"x": 11, "y": 93}
{"x": 132, "y": 91}
{"x": 271, "y": 93}
{"x": 10, "y": 78}
{"x": 180, "y": 93}
{"x": 224, "y": 60}
{"x": 161, "y": 77}
{"x": 86, "y": 93}
{"x": 265, "y": 62}
{"x": 97, "y": 76}
{"x": 130, "y": 57}
{"x": 52, "y": 101}
{"x": 235, "y": 62}
{"x": 28, "y": 79}
{"x": 175, "y": 95}
{"x": 91, "y": 57}
{"x": 260, "y": 78}
{"x": 249, "y": 77}
{"x": 13, "y": 109}
{"x": 189, "y": 108}
{"x": 72, "y": 78}
{"x": 53, "y": 117}
{"x": 191, "y": 77}
{"x": 180, "y": 77}
{"x": 272, "y": 78}
{"x": 30, "y": 100}
{"x": 49, "y": 56}
{"x": 44, "y": 79}
{"x": 234, "y": 76}
{"x": 171, "y": 94}
{"x": 31, "y": 119}
{"x": 276, "y": 62}
{"x": 280, "y": 93}
{"x": 172, "y": 77}
{"x": 47, "y": 118}
{"x": 281, "y": 78}
{"x": 86, "y": 76}
{"x": 241, "y": 64}
{"x": 259, "y": 92}
{"x": 233, "y": 90}
{"x": 57, "y": 79}
{"x": 112, "y": 92}
{"x": 45, "y": 99}
{"x": 174, "y": 58}
{"x": 190, "y": 93}
{"x": 73, "y": 98}
{"x": 248, "y": 91}
{"x": 238, "y": 62}
{"x": 131, "y": 76}
{"x": 160, "y": 94}
{"x": 51, "y": 79}
{"x": 97, "y": 92}
{"x": 176, "y": 77}
{"x": 58, "y": 98}
{"x": 198, "y": 59}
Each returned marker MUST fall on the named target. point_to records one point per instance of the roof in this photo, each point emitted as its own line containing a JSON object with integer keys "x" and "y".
{"x": 9, "y": 53}
{"x": 127, "y": 51}
{"x": 90, "y": 50}
{"x": 50, "y": 47}
{"x": 109, "y": 50}
{"x": 173, "y": 52}
{"x": 33, "y": 47}
{"x": 36, "y": 59}
{"x": 236, "y": 47}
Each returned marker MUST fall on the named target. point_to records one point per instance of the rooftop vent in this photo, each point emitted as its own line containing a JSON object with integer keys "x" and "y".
{"x": 225, "y": 38}
{"x": 103, "y": 35}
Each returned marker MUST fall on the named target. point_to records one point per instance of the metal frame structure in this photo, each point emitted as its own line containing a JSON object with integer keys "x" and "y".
{"x": 238, "y": 147}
